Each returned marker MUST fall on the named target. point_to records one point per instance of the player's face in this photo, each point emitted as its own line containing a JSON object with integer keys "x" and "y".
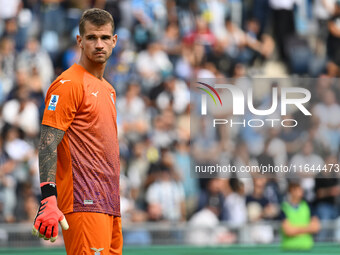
{"x": 297, "y": 193}
{"x": 97, "y": 42}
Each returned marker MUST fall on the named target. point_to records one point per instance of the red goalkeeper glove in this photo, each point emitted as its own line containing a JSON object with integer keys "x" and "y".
{"x": 46, "y": 222}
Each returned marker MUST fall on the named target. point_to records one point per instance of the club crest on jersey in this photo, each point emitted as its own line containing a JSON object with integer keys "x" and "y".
{"x": 53, "y": 102}
{"x": 113, "y": 101}
{"x": 97, "y": 251}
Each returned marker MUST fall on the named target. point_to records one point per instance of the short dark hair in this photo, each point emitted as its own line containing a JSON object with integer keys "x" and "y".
{"x": 97, "y": 17}
{"x": 293, "y": 183}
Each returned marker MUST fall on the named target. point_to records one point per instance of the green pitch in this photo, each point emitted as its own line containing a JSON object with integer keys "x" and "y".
{"x": 320, "y": 249}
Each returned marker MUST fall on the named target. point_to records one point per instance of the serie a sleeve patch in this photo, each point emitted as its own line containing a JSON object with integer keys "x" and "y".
{"x": 53, "y": 102}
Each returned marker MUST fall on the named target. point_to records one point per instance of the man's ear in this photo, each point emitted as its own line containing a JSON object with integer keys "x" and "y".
{"x": 114, "y": 39}
{"x": 79, "y": 41}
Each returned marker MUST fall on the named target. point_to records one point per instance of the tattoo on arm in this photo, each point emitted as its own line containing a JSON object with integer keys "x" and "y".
{"x": 49, "y": 139}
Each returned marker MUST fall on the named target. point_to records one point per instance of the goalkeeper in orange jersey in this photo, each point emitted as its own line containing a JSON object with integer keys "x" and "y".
{"x": 78, "y": 149}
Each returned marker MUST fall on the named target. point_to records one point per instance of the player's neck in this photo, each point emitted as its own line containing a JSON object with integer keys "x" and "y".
{"x": 95, "y": 69}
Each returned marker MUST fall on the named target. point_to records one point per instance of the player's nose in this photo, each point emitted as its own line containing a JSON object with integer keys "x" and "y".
{"x": 99, "y": 44}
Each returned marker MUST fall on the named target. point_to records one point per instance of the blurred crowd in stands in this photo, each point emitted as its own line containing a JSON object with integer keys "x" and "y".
{"x": 163, "y": 46}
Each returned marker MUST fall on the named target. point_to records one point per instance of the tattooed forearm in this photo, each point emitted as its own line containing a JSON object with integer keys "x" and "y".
{"x": 49, "y": 139}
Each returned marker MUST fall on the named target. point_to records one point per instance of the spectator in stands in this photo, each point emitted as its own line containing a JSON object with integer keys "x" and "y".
{"x": 36, "y": 60}
{"x": 259, "y": 45}
{"x": 322, "y": 83}
{"x": 291, "y": 137}
{"x": 121, "y": 69}
{"x": 333, "y": 41}
{"x": 70, "y": 56}
{"x": 164, "y": 133}
{"x": 190, "y": 184}
{"x": 18, "y": 150}
{"x": 131, "y": 214}
{"x": 257, "y": 199}
{"x": 175, "y": 95}
{"x": 171, "y": 42}
{"x": 298, "y": 220}
{"x": 234, "y": 39}
{"x": 10, "y": 10}
{"x": 151, "y": 16}
{"x": 328, "y": 112}
{"x": 243, "y": 158}
{"x": 307, "y": 159}
{"x": 34, "y": 176}
{"x": 205, "y": 147}
{"x": 30, "y": 208}
{"x": 260, "y": 209}
{"x": 165, "y": 197}
{"x": 277, "y": 147}
{"x": 318, "y": 135}
{"x": 137, "y": 170}
{"x": 219, "y": 58}
{"x": 213, "y": 194}
{"x": 327, "y": 190}
{"x": 235, "y": 204}
{"x": 159, "y": 158}
{"x": 204, "y": 227}
{"x": 260, "y": 10}
{"x": 51, "y": 10}
{"x": 21, "y": 80}
{"x": 201, "y": 35}
{"x": 265, "y": 158}
{"x": 323, "y": 11}
{"x": 7, "y": 66}
{"x": 22, "y": 113}
{"x": 133, "y": 114}
{"x": 158, "y": 66}
{"x": 37, "y": 95}
{"x": 283, "y": 23}
{"x": 186, "y": 61}
{"x": 7, "y": 186}
{"x": 271, "y": 191}
{"x": 11, "y": 31}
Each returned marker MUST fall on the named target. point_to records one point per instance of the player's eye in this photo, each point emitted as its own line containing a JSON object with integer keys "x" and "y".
{"x": 91, "y": 37}
{"x": 106, "y": 37}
